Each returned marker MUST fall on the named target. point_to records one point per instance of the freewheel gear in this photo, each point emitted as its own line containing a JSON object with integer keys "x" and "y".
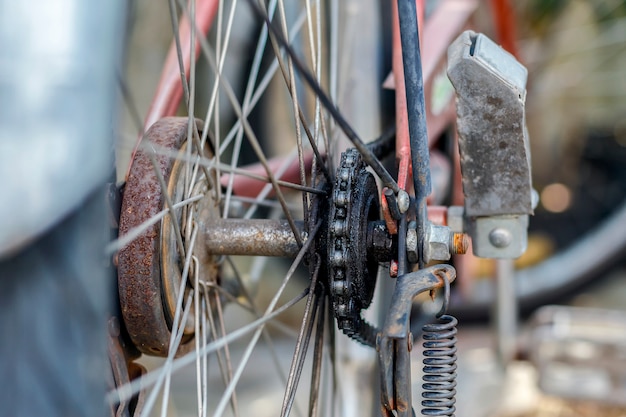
{"x": 352, "y": 273}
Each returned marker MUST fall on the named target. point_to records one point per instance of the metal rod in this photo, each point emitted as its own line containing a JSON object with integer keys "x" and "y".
{"x": 253, "y": 237}
{"x": 505, "y": 315}
{"x": 414, "y": 87}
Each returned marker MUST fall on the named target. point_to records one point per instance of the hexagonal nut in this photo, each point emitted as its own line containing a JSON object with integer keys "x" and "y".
{"x": 438, "y": 248}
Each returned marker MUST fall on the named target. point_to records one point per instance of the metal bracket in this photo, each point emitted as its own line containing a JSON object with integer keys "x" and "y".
{"x": 490, "y": 87}
{"x": 395, "y": 342}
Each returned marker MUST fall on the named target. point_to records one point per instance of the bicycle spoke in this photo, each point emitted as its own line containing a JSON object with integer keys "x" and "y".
{"x": 302, "y": 343}
{"x": 257, "y": 334}
{"x": 126, "y": 392}
{"x": 134, "y": 233}
{"x": 254, "y": 142}
{"x": 223, "y": 355}
{"x": 211, "y": 164}
{"x": 296, "y": 107}
{"x": 314, "y": 394}
{"x": 200, "y": 317}
{"x": 367, "y": 155}
{"x": 177, "y": 337}
{"x": 217, "y": 170}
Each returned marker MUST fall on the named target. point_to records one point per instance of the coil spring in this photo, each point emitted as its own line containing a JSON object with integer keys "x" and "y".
{"x": 439, "y": 367}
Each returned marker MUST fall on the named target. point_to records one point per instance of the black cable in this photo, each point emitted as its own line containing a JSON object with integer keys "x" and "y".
{"x": 369, "y": 158}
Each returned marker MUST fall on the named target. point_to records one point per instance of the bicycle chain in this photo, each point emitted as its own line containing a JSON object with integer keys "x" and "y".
{"x": 352, "y": 274}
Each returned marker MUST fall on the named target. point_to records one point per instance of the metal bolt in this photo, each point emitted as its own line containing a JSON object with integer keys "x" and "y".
{"x": 459, "y": 244}
{"x": 500, "y": 237}
{"x": 403, "y": 201}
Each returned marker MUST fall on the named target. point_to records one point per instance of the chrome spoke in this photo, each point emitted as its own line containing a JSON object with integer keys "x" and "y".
{"x": 268, "y": 187}
{"x": 223, "y": 355}
{"x": 223, "y": 170}
{"x": 293, "y": 91}
{"x": 161, "y": 375}
{"x": 211, "y": 164}
{"x": 134, "y": 233}
{"x": 126, "y": 392}
{"x": 252, "y": 138}
{"x": 302, "y": 343}
{"x": 257, "y": 334}
{"x": 314, "y": 395}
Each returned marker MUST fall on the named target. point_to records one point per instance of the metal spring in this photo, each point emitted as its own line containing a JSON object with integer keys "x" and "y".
{"x": 439, "y": 367}
{"x": 440, "y": 362}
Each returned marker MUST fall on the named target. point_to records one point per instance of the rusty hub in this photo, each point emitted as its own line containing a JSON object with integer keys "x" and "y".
{"x": 149, "y": 268}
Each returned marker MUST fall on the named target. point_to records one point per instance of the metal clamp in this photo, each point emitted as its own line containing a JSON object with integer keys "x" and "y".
{"x": 395, "y": 342}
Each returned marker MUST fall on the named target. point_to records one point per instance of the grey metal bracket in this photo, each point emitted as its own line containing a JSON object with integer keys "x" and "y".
{"x": 490, "y": 88}
{"x": 395, "y": 342}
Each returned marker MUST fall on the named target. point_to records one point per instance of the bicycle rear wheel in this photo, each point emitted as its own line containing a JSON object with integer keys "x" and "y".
{"x": 266, "y": 149}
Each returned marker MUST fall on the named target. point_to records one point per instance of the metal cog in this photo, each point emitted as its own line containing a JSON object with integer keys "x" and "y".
{"x": 352, "y": 273}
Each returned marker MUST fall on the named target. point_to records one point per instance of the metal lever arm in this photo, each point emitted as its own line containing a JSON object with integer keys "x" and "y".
{"x": 395, "y": 341}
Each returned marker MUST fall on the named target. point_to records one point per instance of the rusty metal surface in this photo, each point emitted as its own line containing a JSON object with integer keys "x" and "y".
{"x": 171, "y": 270}
{"x": 124, "y": 370}
{"x": 251, "y": 237}
{"x": 139, "y": 269}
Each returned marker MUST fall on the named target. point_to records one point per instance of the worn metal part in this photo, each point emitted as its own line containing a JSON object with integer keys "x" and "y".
{"x": 352, "y": 273}
{"x": 499, "y": 237}
{"x": 495, "y": 155}
{"x": 124, "y": 371}
{"x": 252, "y": 237}
{"x": 460, "y": 244}
{"x": 438, "y": 243}
{"x": 141, "y": 265}
{"x": 268, "y": 237}
{"x": 395, "y": 340}
{"x": 506, "y": 311}
{"x": 171, "y": 261}
{"x": 380, "y": 243}
{"x": 493, "y": 142}
{"x": 441, "y": 243}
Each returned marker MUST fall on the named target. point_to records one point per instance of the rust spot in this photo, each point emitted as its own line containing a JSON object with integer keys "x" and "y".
{"x": 139, "y": 274}
{"x": 460, "y": 243}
